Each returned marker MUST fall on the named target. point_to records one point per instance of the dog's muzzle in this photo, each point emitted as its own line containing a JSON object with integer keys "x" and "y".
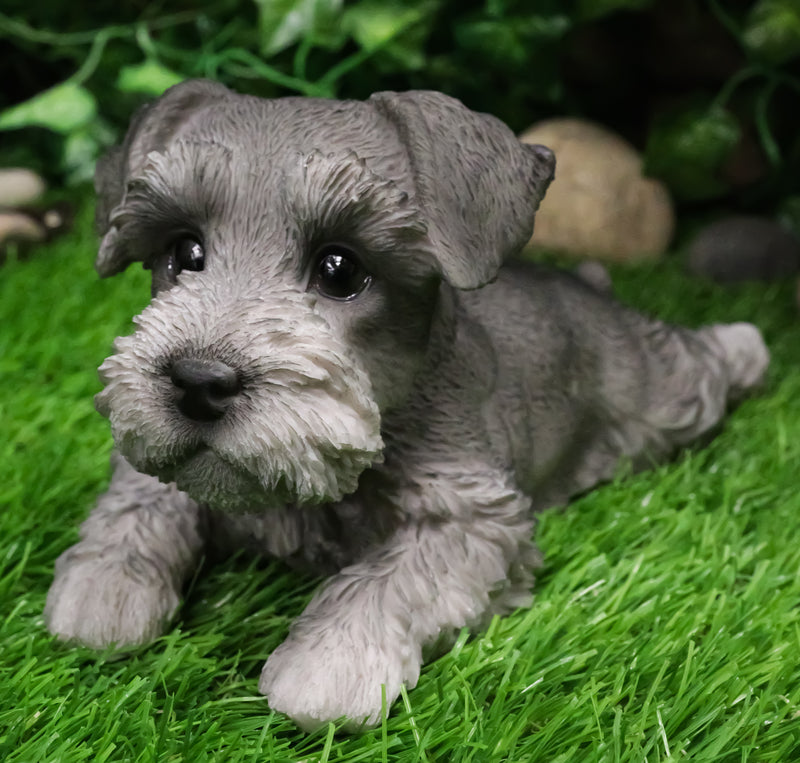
{"x": 208, "y": 387}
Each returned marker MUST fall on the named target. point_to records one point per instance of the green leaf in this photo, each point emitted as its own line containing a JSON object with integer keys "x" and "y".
{"x": 149, "y": 77}
{"x": 64, "y": 108}
{"x": 497, "y": 40}
{"x": 372, "y": 24}
{"x": 772, "y": 32}
{"x": 81, "y": 149}
{"x": 395, "y": 32}
{"x": 511, "y": 41}
{"x": 282, "y": 23}
{"x": 687, "y": 149}
{"x": 79, "y": 155}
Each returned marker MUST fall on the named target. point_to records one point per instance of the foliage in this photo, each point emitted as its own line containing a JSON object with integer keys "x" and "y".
{"x": 71, "y": 91}
{"x": 686, "y": 147}
{"x": 690, "y": 148}
{"x": 772, "y": 30}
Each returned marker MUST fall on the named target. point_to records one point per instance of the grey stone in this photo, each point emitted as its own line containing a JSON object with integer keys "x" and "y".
{"x": 19, "y": 229}
{"x": 20, "y": 186}
{"x": 744, "y": 248}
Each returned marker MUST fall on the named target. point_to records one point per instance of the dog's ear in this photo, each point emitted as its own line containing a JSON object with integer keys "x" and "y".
{"x": 151, "y": 129}
{"x": 479, "y": 186}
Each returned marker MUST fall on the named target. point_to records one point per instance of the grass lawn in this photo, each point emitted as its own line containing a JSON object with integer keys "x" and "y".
{"x": 665, "y": 624}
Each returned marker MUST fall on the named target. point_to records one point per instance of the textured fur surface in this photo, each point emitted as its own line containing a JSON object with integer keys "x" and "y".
{"x": 399, "y": 441}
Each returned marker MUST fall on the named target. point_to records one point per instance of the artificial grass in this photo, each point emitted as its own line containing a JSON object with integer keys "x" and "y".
{"x": 664, "y": 628}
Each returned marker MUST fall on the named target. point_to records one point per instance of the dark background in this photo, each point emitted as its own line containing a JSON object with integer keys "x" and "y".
{"x": 708, "y": 90}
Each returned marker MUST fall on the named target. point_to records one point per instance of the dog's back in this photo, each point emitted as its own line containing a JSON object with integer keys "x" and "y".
{"x": 582, "y": 381}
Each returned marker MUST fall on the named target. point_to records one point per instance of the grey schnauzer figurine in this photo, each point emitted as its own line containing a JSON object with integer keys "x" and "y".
{"x": 337, "y": 369}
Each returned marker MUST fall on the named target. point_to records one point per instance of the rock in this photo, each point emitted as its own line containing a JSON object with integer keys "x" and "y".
{"x": 744, "y": 248}
{"x": 19, "y": 186}
{"x": 19, "y": 230}
{"x": 56, "y": 218}
{"x": 599, "y": 204}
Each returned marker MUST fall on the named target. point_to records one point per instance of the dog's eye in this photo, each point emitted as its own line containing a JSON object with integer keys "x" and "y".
{"x": 338, "y": 274}
{"x": 188, "y": 254}
{"x": 184, "y": 253}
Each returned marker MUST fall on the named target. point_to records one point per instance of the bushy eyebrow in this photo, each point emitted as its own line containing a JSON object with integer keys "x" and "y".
{"x": 175, "y": 183}
{"x": 173, "y": 192}
{"x": 328, "y": 198}
{"x": 340, "y": 195}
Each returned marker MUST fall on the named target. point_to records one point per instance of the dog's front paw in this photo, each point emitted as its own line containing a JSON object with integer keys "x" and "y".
{"x": 328, "y": 675}
{"x": 103, "y": 598}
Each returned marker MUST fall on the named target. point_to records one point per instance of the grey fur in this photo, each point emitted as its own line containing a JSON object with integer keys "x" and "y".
{"x": 400, "y": 441}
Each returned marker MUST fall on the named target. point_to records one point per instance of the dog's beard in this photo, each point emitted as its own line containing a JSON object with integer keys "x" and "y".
{"x": 302, "y": 431}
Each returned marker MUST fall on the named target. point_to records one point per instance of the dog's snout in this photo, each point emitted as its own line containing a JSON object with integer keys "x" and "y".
{"x": 208, "y": 387}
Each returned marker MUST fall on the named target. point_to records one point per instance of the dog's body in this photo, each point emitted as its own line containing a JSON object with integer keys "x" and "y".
{"x": 344, "y": 377}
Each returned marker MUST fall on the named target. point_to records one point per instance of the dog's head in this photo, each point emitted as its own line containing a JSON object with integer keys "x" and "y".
{"x": 297, "y": 249}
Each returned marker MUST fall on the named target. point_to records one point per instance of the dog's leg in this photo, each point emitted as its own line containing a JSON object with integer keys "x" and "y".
{"x": 367, "y": 626}
{"x": 121, "y": 583}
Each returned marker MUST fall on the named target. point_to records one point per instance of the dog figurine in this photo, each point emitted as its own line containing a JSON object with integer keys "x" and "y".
{"x": 338, "y": 369}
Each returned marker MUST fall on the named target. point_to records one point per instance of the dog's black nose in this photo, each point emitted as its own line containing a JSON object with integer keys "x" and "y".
{"x": 209, "y": 387}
